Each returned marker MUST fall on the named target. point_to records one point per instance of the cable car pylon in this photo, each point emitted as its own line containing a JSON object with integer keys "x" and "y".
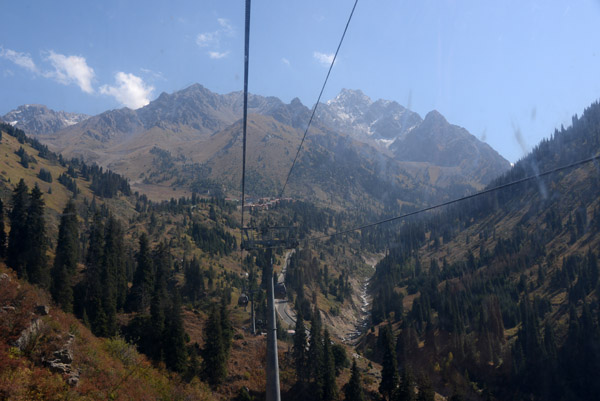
{"x": 267, "y": 243}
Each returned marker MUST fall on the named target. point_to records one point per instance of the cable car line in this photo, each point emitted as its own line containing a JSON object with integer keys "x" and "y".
{"x": 450, "y": 202}
{"x": 245, "y": 123}
{"x": 272, "y": 366}
{"x": 318, "y": 100}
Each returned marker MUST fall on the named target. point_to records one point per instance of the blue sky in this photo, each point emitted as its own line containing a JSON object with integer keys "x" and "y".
{"x": 510, "y": 72}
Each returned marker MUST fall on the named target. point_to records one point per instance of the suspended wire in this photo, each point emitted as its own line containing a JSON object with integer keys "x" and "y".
{"x": 318, "y": 100}
{"x": 245, "y": 124}
{"x": 486, "y": 191}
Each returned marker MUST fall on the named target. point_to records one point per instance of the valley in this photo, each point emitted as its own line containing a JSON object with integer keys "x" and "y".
{"x": 299, "y": 201}
{"x": 459, "y": 299}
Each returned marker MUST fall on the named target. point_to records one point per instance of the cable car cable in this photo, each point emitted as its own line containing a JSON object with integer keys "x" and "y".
{"x": 245, "y": 123}
{"x": 450, "y": 202}
{"x": 318, "y": 100}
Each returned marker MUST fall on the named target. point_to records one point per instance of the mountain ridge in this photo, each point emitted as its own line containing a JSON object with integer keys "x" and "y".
{"x": 36, "y": 119}
{"x": 188, "y": 123}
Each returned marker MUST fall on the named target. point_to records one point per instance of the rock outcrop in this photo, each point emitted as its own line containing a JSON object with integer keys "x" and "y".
{"x": 62, "y": 362}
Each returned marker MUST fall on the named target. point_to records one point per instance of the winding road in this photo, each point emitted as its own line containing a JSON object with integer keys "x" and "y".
{"x": 282, "y": 306}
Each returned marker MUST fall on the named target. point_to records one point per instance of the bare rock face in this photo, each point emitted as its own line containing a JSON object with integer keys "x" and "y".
{"x": 58, "y": 367}
{"x": 62, "y": 362}
{"x": 29, "y": 333}
{"x": 64, "y": 355}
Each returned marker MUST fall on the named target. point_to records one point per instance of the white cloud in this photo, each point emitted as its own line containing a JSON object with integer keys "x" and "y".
{"x": 323, "y": 58}
{"x": 21, "y": 59}
{"x": 153, "y": 74}
{"x": 213, "y": 39}
{"x": 285, "y": 61}
{"x": 71, "y": 69}
{"x": 131, "y": 91}
{"x": 227, "y": 27}
{"x": 206, "y": 39}
{"x": 217, "y": 55}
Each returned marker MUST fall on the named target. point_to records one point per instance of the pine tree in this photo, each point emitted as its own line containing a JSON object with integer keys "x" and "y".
{"x": 36, "y": 241}
{"x": 406, "y": 389}
{"x": 389, "y": 369}
{"x": 16, "y": 253}
{"x": 299, "y": 350}
{"x": 114, "y": 278}
{"x": 175, "y": 354}
{"x": 353, "y": 389}
{"x": 67, "y": 256}
{"x": 2, "y": 232}
{"x": 114, "y": 260}
{"x": 426, "y": 392}
{"x": 226, "y": 326}
{"x": 194, "y": 282}
{"x": 158, "y": 304}
{"x": 592, "y": 266}
{"x": 92, "y": 286}
{"x": 328, "y": 386}
{"x": 550, "y": 342}
{"x": 214, "y": 358}
{"x": 315, "y": 349}
{"x": 143, "y": 279}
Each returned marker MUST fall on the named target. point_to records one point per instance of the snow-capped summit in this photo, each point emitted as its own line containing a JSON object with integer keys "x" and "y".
{"x": 36, "y": 119}
{"x": 354, "y": 113}
{"x": 351, "y": 96}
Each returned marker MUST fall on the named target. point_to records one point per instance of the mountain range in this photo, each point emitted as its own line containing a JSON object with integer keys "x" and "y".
{"x": 357, "y": 149}
{"x": 36, "y": 119}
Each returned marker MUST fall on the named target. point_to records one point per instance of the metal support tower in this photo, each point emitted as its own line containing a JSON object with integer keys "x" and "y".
{"x": 270, "y": 241}
{"x": 273, "y": 392}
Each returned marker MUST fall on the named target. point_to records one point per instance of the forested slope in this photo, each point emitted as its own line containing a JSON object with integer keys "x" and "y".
{"x": 121, "y": 272}
{"x": 498, "y": 296}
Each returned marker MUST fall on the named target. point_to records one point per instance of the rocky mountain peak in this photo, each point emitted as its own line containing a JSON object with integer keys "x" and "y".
{"x": 36, "y": 119}
{"x": 380, "y": 122}
{"x": 351, "y": 97}
{"x": 435, "y": 116}
{"x": 200, "y": 125}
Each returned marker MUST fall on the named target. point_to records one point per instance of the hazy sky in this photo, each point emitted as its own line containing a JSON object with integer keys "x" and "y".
{"x": 508, "y": 71}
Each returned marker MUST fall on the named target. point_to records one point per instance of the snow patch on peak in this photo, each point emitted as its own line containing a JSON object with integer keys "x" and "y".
{"x": 68, "y": 122}
{"x": 350, "y": 96}
{"x": 386, "y": 142}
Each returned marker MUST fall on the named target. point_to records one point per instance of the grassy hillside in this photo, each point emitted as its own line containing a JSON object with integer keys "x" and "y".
{"x": 104, "y": 368}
